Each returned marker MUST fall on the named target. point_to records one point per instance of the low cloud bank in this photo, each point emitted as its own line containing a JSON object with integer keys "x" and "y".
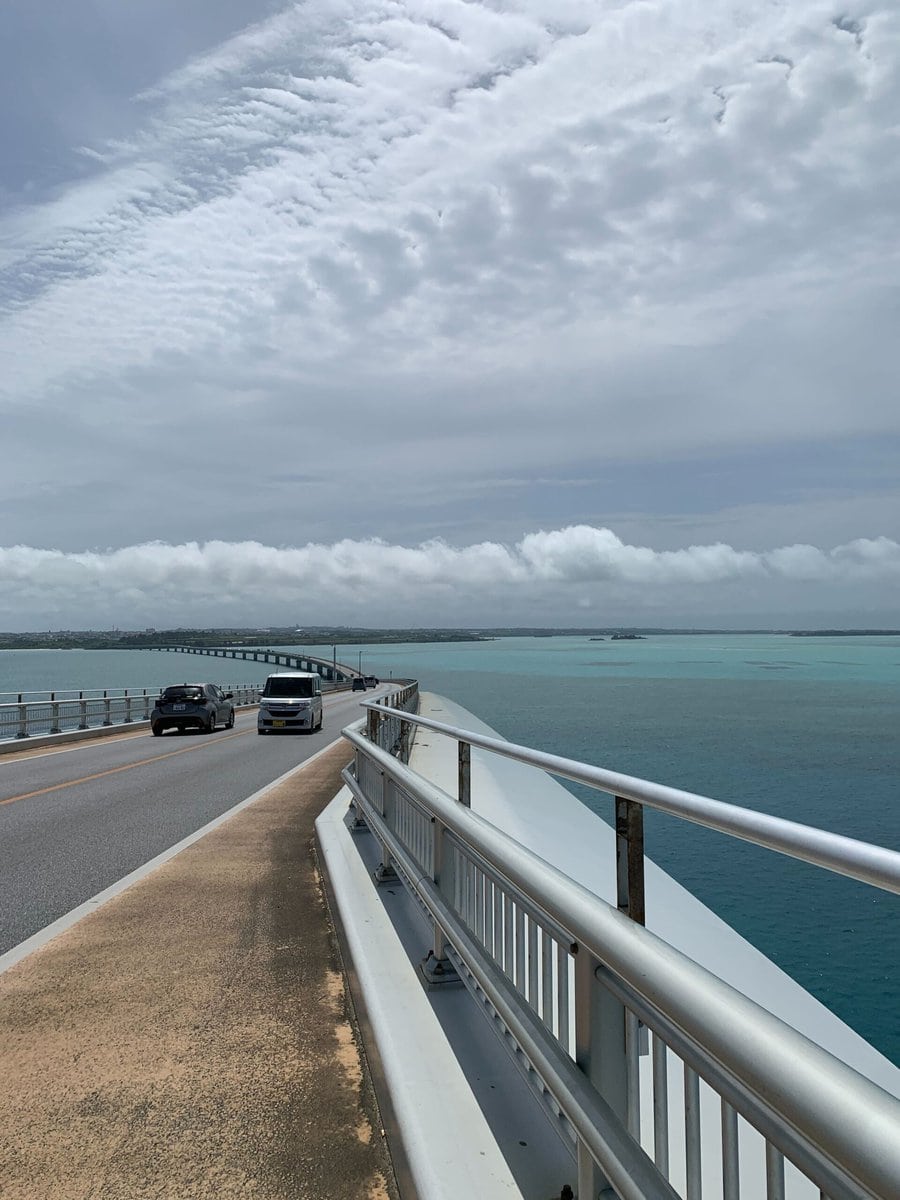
{"x": 195, "y": 580}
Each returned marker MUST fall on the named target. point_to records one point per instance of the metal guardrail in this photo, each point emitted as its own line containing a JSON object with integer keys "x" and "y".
{"x": 61, "y": 713}
{"x": 385, "y": 724}
{"x": 870, "y": 864}
{"x": 604, "y": 1017}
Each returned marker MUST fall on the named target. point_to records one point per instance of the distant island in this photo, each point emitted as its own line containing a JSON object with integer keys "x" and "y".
{"x": 844, "y": 633}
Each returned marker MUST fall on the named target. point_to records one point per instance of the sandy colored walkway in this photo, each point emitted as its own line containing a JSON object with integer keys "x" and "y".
{"x": 193, "y": 1037}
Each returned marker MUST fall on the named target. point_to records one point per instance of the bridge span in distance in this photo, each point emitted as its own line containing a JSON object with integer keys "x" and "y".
{"x": 330, "y": 670}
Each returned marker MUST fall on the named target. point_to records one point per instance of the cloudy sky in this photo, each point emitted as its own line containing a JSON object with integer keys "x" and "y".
{"x": 449, "y": 312}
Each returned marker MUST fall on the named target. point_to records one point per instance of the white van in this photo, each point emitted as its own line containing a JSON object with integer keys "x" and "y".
{"x": 290, "y": 700}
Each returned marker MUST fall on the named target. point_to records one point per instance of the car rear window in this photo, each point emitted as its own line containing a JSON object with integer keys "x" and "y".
{"x": 286, "y": 686}
{"x": 182, "y": 693}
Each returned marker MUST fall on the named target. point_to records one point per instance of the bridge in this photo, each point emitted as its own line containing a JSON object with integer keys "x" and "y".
{"x": 328, "y": 669}
{"x": 542, "y": 1007}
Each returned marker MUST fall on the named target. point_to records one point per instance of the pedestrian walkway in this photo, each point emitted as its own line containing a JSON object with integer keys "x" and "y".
{"x": 193, "y": 1038}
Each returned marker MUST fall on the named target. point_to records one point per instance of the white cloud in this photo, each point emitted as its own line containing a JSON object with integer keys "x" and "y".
{"x": 218, "y": 582}
{"x": 863, "y": 558}
{"x": 347, "y": 178}
{"x": 585, "y": 554}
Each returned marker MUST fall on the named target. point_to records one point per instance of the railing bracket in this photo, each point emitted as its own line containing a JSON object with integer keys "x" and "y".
{"x": 355, "y": 823}
{"x": 437, "y": 972}
{"x": 384, "y": 873}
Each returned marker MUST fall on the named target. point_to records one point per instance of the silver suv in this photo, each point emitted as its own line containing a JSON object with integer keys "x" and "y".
{"x": 291, "y": 700}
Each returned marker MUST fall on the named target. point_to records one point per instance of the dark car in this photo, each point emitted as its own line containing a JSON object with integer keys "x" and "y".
{"x": 200, "y": 706}
{"x": 359, "y": 684}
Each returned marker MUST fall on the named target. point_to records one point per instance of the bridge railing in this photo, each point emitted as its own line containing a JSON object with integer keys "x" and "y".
{"x": 62, "y": 712}
{"x": 389, "y": 731}
{"x": 634, "y": 1048}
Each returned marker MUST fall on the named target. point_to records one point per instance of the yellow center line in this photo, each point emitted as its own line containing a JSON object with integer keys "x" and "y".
{"x": 56, "y": 787}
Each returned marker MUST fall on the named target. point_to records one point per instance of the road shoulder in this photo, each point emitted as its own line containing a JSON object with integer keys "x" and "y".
{"x": 193, "y": 1037}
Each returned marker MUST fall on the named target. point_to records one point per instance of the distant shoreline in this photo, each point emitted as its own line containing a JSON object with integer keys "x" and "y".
{"x": 318, "y": 636}
{"x": 845, "y": 633}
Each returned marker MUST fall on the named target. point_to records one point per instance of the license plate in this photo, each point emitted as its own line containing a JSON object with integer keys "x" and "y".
{"x": 278, "y": 724}
{"x": 179, "y": 707}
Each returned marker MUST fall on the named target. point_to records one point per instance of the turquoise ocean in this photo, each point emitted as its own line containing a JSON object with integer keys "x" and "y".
{"x": 804, "y": 728}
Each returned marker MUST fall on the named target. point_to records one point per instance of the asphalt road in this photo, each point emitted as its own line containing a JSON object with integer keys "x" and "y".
{"x": 75, "y": 820}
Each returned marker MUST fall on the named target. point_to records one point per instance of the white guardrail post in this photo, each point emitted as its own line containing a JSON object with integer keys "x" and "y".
{"x": 600, "y": 1053}
{"x": 384, "y": 798}
{"x": 437, "y": 967}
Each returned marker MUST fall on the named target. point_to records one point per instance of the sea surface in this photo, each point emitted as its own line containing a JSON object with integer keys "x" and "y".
{"x": 803, "y": 728}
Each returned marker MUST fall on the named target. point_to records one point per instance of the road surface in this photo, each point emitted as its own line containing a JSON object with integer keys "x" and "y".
{"x": 76, "y": 819}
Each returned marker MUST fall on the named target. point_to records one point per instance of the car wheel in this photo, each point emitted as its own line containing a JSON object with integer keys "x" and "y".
{"x": 229, "y": 724}
{"x": 261, "y": 732}
{"x": 210, "y": 726}
{"x": 156, "y": 730}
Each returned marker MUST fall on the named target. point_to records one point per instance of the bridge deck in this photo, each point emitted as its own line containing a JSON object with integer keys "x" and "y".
{"x": 202, "y": 1045}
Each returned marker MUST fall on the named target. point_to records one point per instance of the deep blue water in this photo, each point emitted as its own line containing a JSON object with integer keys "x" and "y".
{"x": 804, "y": 728}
